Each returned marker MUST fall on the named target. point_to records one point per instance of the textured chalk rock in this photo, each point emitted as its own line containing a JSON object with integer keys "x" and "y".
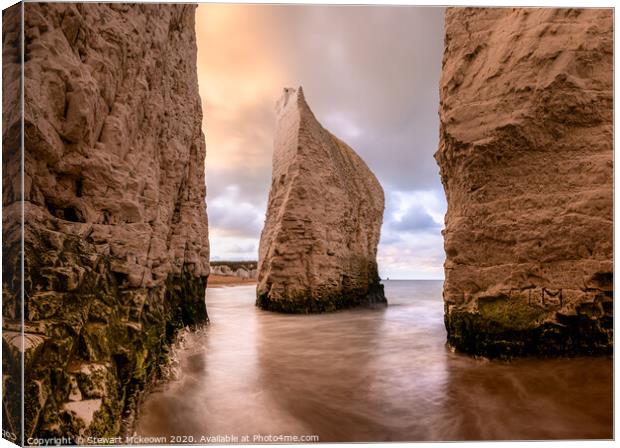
{"x": 11, "y": 225}
{"x": 116, "y": 241}
{"x": 526, "y": 162}
{"x": 318, "y": 246}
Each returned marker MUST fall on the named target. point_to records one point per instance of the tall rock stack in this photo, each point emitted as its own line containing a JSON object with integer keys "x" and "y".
{"x": 318, "y": 247}
{"x": 116, "y": 249}
{"x": 526, "y": 162}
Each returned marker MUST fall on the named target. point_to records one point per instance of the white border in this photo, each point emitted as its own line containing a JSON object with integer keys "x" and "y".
{"x": 497, "y": 3}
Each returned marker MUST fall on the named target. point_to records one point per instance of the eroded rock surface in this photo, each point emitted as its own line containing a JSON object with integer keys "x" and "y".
{"x": 318, "y": 247}
{"x": 526, "y": 162}
{"x": 11, "y": 223}
{"x": 116, "y": 248}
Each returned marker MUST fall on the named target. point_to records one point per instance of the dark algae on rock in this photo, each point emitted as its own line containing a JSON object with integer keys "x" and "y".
{"x": 116, "y": 254}
{"x": 312, "y": 301}
{"x": 525, "y": 157}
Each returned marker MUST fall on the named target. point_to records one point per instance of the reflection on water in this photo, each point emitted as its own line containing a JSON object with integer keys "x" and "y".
{"x": 368, "y": 375}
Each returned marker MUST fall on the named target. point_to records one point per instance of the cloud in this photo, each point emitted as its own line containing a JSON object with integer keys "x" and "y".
{"x": 411, "y": 245}
{"x": 232, "y": 248}
{"x": 422, "y": 251}
{"x": 251, "y": 185}
{"x": 371, "y": 76}
{"x": 416, "y": 219}
{"x": 415, "y": 211}
{"x": 231, "y": 215}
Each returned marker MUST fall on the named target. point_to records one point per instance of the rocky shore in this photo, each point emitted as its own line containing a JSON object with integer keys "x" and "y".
{"x": 232, "y": 273}
{"x": 244, "y": 270}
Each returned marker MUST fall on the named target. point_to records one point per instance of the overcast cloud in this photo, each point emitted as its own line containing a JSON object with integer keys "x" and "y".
{"x": 370, "y": 74}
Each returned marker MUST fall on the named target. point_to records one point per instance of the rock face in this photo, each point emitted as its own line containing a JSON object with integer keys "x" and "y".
{"x": 526, "y": 162}
{"x": 116, "y": 247}
{"x": 319, "y": 244}
{"x": 11, "y": 224}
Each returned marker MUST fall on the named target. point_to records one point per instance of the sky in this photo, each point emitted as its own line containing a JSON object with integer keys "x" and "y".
{"x": 370, "y": 74}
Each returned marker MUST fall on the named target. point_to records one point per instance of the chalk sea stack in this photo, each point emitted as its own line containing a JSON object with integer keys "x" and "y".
{"x": 318, "y": 246}
{"x": 526, "y": 162}
{"x": 116, "y": 246}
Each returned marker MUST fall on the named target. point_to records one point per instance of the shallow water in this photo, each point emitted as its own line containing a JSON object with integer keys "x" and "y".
{"x": 367, "y": 375}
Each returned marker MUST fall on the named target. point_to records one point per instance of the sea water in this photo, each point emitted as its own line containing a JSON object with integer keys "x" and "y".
{"x": 365, "y": 375}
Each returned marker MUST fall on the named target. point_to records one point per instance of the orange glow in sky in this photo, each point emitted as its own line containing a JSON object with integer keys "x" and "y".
{"x": 370, "y": 75}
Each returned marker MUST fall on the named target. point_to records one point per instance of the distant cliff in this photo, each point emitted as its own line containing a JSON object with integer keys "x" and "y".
{"x": 116, "y": 241}
{"x": 318, "y": 247}
{"x": 240, "y": 269}
{"x": 526, "y": 162}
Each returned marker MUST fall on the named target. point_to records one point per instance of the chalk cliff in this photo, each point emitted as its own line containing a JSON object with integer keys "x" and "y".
{"x": 242, "y": 269}
{"x": 116, "y": 243}
{"x": 526, "y": 162}
{"x": 318, "y": 246}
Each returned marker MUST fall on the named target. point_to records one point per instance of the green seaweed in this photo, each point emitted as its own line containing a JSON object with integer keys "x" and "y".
{"x": 504, "y": 329}
{"x": 511, "y": 314}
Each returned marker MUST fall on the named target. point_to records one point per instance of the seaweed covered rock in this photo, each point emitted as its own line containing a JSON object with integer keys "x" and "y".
{"x": 526, "y": 162}
{"x": 318, "y": 247}
{"x": 116, "y": 255}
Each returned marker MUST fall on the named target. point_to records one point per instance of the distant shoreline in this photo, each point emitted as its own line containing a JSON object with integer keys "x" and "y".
{"x": 412, "y": 280}
{"x": 220, "y": 281}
